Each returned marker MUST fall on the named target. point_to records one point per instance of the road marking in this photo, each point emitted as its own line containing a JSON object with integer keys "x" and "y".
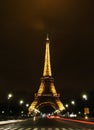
{"x": 63, "y": 128}
{"x": 35, "y": 129}
{"x": 21, "y": 129}
{"x": 49, "y": 128}
{"x": 14, "y": 129}
{"x": 7, "y": 128}
{"x": 57, "y": 129}
{"x": 28, "y": 129}
{"x": 42, "y": 128}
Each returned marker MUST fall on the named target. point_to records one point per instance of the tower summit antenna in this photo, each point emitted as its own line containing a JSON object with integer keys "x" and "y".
{"x": 47, "y": 38}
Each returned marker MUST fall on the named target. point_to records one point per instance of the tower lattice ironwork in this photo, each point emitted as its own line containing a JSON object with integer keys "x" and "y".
{"x": 46, "y": 94}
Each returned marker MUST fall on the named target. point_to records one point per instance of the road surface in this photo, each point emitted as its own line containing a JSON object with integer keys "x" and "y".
{"x": 48, "y": 124}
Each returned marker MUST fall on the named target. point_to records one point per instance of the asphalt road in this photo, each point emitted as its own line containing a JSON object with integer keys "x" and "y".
{"x": 48, "y": 124}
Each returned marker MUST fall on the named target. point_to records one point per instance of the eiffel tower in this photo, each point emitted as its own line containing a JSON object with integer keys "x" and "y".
{"x": 46, "y": 94}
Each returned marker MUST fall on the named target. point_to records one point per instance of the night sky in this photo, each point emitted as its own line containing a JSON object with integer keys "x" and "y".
{"x": 23, "y": 28}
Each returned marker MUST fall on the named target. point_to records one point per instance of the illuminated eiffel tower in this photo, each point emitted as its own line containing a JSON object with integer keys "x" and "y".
{"x": 46, "y": 94}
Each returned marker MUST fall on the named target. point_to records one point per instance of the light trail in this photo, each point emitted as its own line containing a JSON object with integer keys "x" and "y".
{"x": 80, "y": 121}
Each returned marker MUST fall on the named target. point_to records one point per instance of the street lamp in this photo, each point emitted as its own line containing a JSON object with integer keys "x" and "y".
{"x": 9, "y": 104}
{"x": 21, "y": 105}
{"x": 86, "y": 108}
{"x": 3, "y": 112}
{"x": 79, "y": 112}
{"x": 73, "y": 102}
{"x": 66, "y": 105}
{"x": 10, "y": 96}
{"x": 84, "y": 96}
{"x": 21, "y": 102}
{"x": 27, "y": 105}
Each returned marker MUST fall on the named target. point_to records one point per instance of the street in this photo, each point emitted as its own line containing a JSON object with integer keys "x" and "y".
{"x": 47, "y": 124}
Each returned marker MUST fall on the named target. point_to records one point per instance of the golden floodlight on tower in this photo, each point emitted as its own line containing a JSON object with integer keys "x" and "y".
{"x": 46, "y": 94}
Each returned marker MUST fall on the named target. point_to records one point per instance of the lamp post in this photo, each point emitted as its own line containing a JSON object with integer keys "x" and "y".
{"x": 85, "y": 97}
{"x": 72, "y": 106}
{"x": 21, "y": 102}
{"x": 86, "y": 108}
{"x": 67, "y": 113}
{"x": 9, "y": 97}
